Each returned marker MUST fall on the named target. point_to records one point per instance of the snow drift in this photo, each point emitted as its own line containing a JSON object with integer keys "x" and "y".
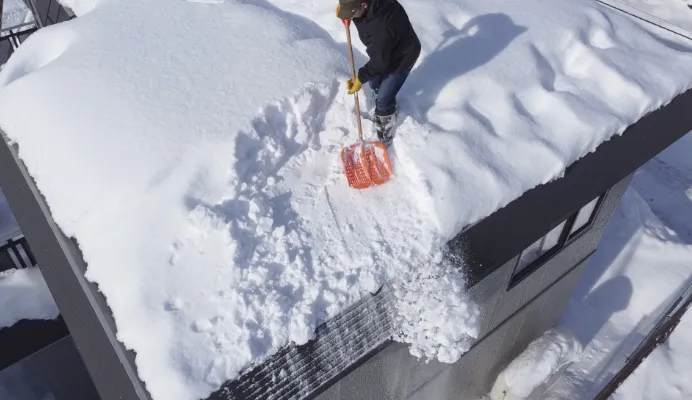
{"x": 192, "y": 151}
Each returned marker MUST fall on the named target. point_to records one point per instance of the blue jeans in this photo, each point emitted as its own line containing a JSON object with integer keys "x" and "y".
{"x": 386, "y": 87}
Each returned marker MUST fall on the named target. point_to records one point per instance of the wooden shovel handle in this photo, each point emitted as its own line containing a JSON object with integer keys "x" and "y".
{"x": 347, "y": 25}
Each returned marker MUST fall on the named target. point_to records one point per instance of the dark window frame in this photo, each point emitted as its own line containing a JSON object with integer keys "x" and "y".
{"x": 565, "y": 240}
{"x": 589, "y": 224}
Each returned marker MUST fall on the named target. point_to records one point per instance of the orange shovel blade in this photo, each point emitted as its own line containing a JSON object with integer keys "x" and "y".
{"x": 366, "y": 164}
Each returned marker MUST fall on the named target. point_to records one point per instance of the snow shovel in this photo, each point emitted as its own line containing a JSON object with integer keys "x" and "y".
{"x": 366, "y": 163}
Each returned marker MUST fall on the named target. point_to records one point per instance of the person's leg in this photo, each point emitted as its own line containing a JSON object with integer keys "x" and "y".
{"x": 388, "y": 90}
{"x": 385, "y": 105}
{"x": 375, "y": 84}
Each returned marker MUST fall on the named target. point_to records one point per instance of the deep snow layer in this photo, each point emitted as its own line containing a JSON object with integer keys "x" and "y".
{"x": 192, "y": 150}
{"x": 24, "y": 295}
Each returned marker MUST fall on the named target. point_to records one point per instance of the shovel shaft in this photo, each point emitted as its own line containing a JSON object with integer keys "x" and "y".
{"x": 347, "y": 24}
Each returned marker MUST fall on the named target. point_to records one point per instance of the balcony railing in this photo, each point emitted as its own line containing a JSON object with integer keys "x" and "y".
{"x": 44, "y": 12}
{"x": 15, "y": 252}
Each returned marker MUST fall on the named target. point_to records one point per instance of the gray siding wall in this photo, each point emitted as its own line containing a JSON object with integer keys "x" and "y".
{"x": 5, "y": 51}
{"x": 510, "y": 320}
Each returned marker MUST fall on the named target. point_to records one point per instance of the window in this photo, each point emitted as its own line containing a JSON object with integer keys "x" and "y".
{"x": 540, "y": 247}
{"x": 546, "y": 247}
{"x": 584, "y": 217}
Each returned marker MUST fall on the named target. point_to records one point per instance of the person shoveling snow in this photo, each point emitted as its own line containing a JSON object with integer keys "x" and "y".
{"x": 393, "y": 47}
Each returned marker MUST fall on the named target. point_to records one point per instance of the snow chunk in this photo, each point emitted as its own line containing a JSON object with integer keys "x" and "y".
{"x": 434, "y": 312}
{"x": 24, "y": 295}
{"x": 544, "y": 357}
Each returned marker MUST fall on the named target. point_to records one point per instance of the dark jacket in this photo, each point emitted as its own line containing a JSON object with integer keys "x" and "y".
{"x": 389, "y": 38}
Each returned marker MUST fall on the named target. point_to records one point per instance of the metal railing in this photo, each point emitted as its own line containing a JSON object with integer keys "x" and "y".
{"x": 658, "y": 335}
{"x": 15, "y": 253}
{"x": 45, "y": 12}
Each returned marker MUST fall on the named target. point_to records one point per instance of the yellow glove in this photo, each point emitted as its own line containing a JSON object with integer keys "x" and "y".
{"x": 338, "y": 7}
{"x": 353, "y": 85}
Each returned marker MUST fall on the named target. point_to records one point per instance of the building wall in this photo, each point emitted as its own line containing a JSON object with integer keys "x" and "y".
{"x": 511, "y": 318}
{"x": 5, "y": 51}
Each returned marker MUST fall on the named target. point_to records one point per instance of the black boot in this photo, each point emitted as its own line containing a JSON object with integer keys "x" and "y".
{"x": 384, "y": 125}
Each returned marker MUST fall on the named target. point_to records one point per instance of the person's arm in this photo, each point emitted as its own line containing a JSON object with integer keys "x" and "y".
{"x": 380, "y": 53}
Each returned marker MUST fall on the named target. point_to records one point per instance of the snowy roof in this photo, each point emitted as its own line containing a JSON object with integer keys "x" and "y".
{"x": 192, "y": 149}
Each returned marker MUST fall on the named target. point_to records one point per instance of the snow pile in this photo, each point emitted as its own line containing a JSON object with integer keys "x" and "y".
{"x": 15, "y": 12}
{"x": 434, "y": 313}
{"x": 641, "y": 266}
{"x": 543, "y": 358}
{"x": 24, "y": 295}
{"x": 203, "y": 182}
